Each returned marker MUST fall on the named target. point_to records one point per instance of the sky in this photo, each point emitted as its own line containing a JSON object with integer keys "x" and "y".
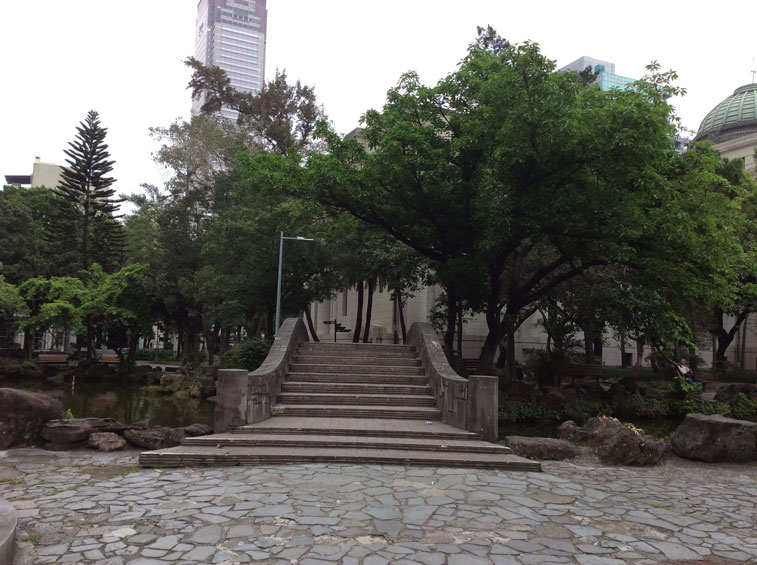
{"x": 123, "y": 58}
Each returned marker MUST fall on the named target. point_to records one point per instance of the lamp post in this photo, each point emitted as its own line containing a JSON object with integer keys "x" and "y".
{"x": 278, "y": 286}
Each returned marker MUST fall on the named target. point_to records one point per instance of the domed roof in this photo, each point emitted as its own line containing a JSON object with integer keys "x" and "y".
{"x": 733, "y": 117}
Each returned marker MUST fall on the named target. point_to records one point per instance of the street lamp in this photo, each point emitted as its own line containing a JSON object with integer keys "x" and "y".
{"x": 278, "y": 286}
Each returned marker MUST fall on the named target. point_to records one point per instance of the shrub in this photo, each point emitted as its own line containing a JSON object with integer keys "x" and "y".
{"x": 149, "y": 355}
{"x": 249, "y": 355}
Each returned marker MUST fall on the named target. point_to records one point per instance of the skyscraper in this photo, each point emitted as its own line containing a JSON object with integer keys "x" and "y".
{"x": 231, "y": 34}
{"x": 606, "y": 79}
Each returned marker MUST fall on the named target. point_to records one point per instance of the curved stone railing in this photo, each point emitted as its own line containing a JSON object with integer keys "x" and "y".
{"x": 469, "y": 404}
{"x": 7, "y": 531}
{"x": 247, "y": 397}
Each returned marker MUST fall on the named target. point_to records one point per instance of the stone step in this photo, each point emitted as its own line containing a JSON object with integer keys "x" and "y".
{"x": 289, "y": 398}
{"x": 356, "y": 369}
{"x": 346, "y": 347}
{"x": 307, "y": 377}
{"x": 351, "y": 411}
{"x": 372, "y": 354}
{"x": 310, "y": 359}
{"x": 186, "y": 456}
{"x": 380, "y": 427}
{"x": 330, "y": 441}
{"x": 354, "y": 388}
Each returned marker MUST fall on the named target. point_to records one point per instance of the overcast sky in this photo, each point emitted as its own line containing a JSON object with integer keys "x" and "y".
{"x": 123, "y": 58}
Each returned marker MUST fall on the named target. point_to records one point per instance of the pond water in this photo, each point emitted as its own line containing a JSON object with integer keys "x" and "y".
{"x": 122, "y": 401}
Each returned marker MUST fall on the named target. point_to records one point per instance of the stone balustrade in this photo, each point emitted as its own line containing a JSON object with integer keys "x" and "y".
{"x": 245, "y": 397}
{"x": 469, "y": 404}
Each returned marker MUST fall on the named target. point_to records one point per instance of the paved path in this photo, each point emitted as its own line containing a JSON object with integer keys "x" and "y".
{"x": 86, "y": 507}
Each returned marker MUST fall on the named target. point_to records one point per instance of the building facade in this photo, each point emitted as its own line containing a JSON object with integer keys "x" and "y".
{"x": 43, "y": 174}
{"x": 231, "y": 34}
{"x": 732, "y": 126}
{"x": 606, "y": 79}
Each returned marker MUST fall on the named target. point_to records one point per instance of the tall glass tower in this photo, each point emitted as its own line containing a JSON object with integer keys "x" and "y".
{"x": 231, "y": 34}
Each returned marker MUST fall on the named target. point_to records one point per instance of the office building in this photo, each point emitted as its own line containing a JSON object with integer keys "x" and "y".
{"x": 43, "y": 174}
{"x": 606, "y": 79}
{"x": 231, "y": 34}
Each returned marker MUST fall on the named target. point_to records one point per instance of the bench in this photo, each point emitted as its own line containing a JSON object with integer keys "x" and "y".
{"x": 470, "y": 365}
{"x": 53, "y": 359}
{"x": 583, "y": 370}
{"x": 110, "y": 358}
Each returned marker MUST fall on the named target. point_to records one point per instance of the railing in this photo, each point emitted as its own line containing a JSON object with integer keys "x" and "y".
{"x": 248, "y": 397}
{"x": 469, "y": 404}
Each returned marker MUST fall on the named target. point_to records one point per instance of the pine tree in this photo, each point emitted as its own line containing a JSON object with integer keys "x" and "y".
{"x": 85, "y": 199}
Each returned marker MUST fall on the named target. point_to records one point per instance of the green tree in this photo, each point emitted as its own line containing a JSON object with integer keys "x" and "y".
{"x": 512, "y": 179}
{"x": 86, "y": 202}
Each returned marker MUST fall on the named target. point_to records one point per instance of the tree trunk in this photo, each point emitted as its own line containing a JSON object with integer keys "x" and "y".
{"x": 510, "y": 339}
{"x": 401, "y": 315}
{"x": 359, "y": 316}
{"x": 588, "y": 347}
{"x": 223, "y": 344}
{"x": 368, "y": 310}
{"x": 449, "y": 334}
{"x": 725, "y": 338}
{"x": 492, "y": 341}
{"x": 460, "y": 330}
{"x": 28, "y": 344}
{"x": 744, "y": 327}
{"x": 309, "y": 319}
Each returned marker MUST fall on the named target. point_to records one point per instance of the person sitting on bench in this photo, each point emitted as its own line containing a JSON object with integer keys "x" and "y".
{"x": 686, "y": 372}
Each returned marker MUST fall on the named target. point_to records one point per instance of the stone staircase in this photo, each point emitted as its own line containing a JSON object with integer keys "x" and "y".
{"x": 347, "y": 403}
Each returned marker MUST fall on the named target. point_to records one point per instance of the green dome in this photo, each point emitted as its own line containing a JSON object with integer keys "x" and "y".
{"x": 733, "y": 117}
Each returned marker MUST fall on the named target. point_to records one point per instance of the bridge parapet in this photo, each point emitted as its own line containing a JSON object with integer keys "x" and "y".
{"x": 245, "y": 397}
{"x": 469, "y": 404}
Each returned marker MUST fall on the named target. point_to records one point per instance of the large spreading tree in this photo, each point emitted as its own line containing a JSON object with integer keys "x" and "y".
{"x": 512, "y": 179}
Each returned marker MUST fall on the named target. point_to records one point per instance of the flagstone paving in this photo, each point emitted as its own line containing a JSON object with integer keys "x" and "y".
{"x": 88, "y": 507}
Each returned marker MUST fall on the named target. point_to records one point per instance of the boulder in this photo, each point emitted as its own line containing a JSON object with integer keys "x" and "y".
{"x": 106, "y": 441}
{"x": 542, "y": 447}
{"x": 23, "y": 414}
{"x": 615, "y": 442}
{"x": 155, "y": 438}
{"x": 729, "y": 393}
{"x": 171, "y": 381}
{"x": 595, "y": 432}
{"x": 629, "y": 447}
{"x": 715, "y": 438}
{"x": 195, "y": 430}
{"x": 74, "y": 432}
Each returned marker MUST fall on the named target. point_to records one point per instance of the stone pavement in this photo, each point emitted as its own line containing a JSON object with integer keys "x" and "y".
{"x": 88, "y": 507}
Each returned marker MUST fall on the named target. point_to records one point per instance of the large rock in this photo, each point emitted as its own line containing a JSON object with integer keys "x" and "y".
{"x": 629, "y": 447}
{"x": 106, "y": 441}
{"x": 715, "y": 438}
{"x": 729, "y": 393}
{"x": 542, "y": 447}
{"x": 616, "y": 443}
{"x": 23, "y": 414}
{"x": 172, "y": 381}
{"x": 155, "y": 438}
{"x": 74, "y": 432}
{"x": 195, "y": 430}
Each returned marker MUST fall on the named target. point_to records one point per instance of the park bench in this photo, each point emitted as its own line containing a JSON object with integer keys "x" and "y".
{"x": 583, "y": 370}
{"x": 53, "y": 359}
{"x": 110, "y": 358}
{"x": 470, "y": 365}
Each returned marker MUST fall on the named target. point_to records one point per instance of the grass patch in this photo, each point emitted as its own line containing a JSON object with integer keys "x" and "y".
{"x": 33, "y": 538}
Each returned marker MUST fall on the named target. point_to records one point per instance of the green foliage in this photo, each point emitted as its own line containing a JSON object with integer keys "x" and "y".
{"x": 150, "y": 354}
{"x": 86, "y": 219}
{"x": 69, "y": 414}
{"x": 249, "y": 355}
